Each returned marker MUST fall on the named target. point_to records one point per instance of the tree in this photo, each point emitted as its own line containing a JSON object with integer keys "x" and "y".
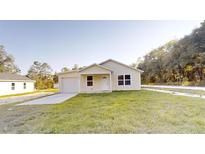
{"x": 55, "y": 78}
{"x": 178, "y": 61}
{"x": 136, "y": 64}
{"x": 155, "y": 64}
{"x": 65, "y": 69}
{"x": 7, "y": 62}
{"x": 42, "y": 73}
{"x": 75, "y": 67}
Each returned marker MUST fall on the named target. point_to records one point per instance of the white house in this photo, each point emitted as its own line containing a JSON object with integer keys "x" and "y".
{"x": 107, "y": 76}
{"x": 15, "y": 84}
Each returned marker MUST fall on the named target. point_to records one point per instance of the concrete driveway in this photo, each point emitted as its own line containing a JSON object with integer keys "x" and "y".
{"x": 24, "y": 98}
{"x": 54, "y": 99}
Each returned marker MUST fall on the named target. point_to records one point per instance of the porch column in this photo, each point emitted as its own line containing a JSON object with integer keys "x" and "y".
{"x": 110, "y": 81}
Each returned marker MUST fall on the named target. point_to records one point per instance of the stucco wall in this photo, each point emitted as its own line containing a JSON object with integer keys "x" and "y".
{"x": 119, "y": 69}
{"x": 5, "y": 87}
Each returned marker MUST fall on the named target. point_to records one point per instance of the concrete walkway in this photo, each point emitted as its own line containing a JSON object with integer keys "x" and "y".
{"x": 22, "y": 98}
{"x": 176, "y": 93}
{"x": 54, "y": 99}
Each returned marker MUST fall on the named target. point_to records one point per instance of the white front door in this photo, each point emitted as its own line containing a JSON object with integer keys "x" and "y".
{"x": 105, "y": 83}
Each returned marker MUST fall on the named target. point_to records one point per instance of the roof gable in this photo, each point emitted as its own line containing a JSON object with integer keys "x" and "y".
{"x": 111, "y": 60}
{"x": 95, "y": 68}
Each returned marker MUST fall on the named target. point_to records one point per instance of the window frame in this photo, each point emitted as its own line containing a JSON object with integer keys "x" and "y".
{"x": 123, "y": 79}
{"x": 13, "y": 85}
{"x": 120, "y": 80}
{"x": 129, "y": 79}
{"x": 89, "y": 81}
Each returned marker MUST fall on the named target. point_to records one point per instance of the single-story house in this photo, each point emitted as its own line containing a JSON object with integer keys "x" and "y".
{"x": 107, "y": 76}
{"x": 14, "y": 84}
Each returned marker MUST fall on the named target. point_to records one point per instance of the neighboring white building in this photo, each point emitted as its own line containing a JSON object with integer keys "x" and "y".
{"x": 15, "y": 84}
{"x": 107, "y": 76}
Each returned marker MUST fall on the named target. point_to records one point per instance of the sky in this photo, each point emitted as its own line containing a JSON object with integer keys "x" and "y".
{"x": 65, "y": 43}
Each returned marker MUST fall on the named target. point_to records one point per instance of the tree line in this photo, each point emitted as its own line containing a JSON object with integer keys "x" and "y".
{"x": 42, "y": 73}
{"x": 178, "y": 62}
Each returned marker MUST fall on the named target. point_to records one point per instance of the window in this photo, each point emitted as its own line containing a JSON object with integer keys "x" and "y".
{"x": 127, "y": 80}
{"x": 89, "y": 80}
{"x": 120, "y": 80}
{"x": 24, "y": 85}
{"x": 124, "y": 80}
{"x": 12, "y": 86}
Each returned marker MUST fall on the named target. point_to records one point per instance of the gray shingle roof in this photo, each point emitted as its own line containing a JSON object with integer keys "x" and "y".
{"x": 11, "y": 76}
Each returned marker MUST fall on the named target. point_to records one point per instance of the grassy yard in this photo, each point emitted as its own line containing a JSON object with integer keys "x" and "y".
{"x": 118, "y": 112}
{"x": 37, "y": 91}
{"x": 189, "y": 91}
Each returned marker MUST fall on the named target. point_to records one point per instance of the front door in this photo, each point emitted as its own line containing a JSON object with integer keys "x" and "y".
{"x": 105, "y": 83}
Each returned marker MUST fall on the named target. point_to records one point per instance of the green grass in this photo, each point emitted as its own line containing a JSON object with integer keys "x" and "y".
{"x": 37, "y": 91}
{"x": 117, "y": 112}
{"x": 189, "y": 91}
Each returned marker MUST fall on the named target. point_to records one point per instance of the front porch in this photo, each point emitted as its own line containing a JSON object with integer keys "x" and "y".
{"x": 94, "y": 79}
{"x": 95, "y": 83}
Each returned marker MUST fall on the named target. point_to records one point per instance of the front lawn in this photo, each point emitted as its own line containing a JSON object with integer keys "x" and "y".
{"x": 189, "y": 91}
{"x": 118, "y": 112}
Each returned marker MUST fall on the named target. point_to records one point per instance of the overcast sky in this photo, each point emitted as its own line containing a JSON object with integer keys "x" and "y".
{"x": 65, "y": 43}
